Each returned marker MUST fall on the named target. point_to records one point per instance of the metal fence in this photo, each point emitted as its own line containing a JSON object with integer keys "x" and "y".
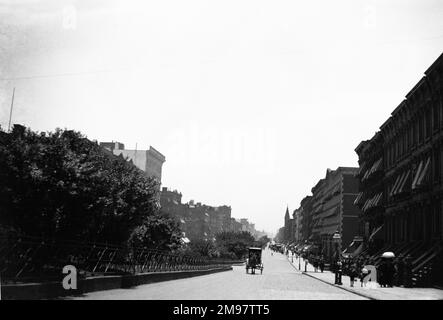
{"x": 25, "y": 259}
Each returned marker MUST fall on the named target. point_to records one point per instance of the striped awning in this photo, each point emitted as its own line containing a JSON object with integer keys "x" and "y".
{"x": 358, "y": 199}
{"x": 395, "y": 186}
{"x": 404, "y": 183}
{"x": 375, "y": 167}
{"x": 360, "y": 170}
{"x": 374, "y": 232}
{"x": 373, "y": 202}
{"x": 422, "y": 178}
{"x": 417, "y": 175}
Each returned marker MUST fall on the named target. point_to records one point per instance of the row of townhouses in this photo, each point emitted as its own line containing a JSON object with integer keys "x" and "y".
{"x": 329, "y": 210}
{"x": 394, "y": 200}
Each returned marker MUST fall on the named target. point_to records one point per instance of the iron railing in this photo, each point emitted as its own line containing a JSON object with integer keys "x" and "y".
{"x": 24, "y": 259}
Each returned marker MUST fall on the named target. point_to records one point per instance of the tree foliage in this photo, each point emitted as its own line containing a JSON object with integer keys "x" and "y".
{"x": 232, "y": 244}
{"x": 61, "y": 185}
{"x": 159, "y": 232}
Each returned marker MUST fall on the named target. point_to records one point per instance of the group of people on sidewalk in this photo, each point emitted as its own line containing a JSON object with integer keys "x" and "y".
{"x": 390, "y": 272}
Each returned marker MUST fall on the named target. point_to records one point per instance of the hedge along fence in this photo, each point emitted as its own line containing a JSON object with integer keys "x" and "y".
{"x": 25, "y": 259}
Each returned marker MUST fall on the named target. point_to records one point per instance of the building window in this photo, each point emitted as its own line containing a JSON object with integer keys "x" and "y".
{"x": 414, "y": 133}
{"x": 428, "y": 123}
{"x": 436, "y": 166}
{"x": 406, "y": 139}
{"x": 435, "y": 118}
{"x": 420, "y": 129}
{"x": 416, "y": 130}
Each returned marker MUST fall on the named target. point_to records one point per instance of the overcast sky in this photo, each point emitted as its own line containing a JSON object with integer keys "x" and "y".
{"x": 250, "y": 101}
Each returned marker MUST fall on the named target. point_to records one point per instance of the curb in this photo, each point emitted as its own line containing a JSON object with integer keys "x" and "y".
{"x": 343, "y": 288}
{"x": 334, "y": 285}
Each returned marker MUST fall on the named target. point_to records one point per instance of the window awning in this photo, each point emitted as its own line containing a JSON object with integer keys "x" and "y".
{"x": 394, "y": 187}
{"x": 366, "y": 175}
{"x": 400, "y": 182}
{"x": 360, "y": 170}
{"x": 377, "y": 199}
{"x": 354, "y": 248}
{"x": 358, "y": 199}
{"x": 373, "y": 202}
{"x": 374, "y": 232}
{"x": 318, "y": 209}
{"x": 404, "y": 183}
{"x": 337, "y": 189}
{"x": 377, "y": 166}
{"x": 422, "y": 178}
{"x": 417, "y": 174}
{"x": 367, "y": 202}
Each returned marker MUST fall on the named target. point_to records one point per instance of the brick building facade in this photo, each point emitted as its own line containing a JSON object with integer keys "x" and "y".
{"x": 401, "y": 175}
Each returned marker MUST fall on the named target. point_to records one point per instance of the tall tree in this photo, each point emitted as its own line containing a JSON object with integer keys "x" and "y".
{"x": 60, "y": 185}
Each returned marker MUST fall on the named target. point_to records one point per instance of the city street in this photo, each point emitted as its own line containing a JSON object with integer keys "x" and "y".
{"x": 280, "y": 280}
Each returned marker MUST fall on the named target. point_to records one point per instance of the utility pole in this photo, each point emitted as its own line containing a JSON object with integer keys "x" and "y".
{"x": 10, "y": 113}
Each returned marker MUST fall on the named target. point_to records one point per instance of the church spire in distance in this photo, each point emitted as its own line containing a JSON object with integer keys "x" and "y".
{"x": 287, "y": 213}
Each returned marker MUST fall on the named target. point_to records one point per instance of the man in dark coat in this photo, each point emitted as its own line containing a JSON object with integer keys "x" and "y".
{"x": 400, "y": 268}
{"x": 353, "y": 273}
{"x": 381, "y": 272}
{"x": 322, "y": 264}
{"x": 390, "y": 272}
{"x": 338, "y": 272}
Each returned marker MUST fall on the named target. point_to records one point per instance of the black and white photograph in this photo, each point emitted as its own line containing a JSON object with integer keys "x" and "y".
{"x": 221, "y": 156}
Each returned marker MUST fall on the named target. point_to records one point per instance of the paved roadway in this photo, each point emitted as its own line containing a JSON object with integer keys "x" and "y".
{"x": 280, "y": 280}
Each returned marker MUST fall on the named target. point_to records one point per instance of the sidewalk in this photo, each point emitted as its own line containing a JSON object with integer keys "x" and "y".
{"x": 371, "y": 291}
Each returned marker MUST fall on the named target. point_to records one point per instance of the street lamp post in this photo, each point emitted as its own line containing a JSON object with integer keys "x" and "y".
{"x": 336, "y": 238}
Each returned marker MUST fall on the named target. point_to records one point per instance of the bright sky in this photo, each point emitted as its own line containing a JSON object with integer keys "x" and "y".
{"x": 249, "y": 100}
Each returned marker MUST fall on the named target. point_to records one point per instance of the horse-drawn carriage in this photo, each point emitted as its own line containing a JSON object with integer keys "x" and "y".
{"x": 254, "y": 260}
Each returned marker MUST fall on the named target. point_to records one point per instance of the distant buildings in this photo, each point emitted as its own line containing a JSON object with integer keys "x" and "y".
{"x": 200, "y": 221}
{"x": 333, "y": 209}
{"x": 150, "y": 161}
{"x": 330, "y": 209}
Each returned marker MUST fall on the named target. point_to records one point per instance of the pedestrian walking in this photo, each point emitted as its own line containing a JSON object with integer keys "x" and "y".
{"x": 381, "y": 272}
{"x": 338, "y": 272}
{"x": 390, "y": 272}
{"x": 363, "y": 274}
{"x": 322, "y": 264}
{"x": 353, "y": 273}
